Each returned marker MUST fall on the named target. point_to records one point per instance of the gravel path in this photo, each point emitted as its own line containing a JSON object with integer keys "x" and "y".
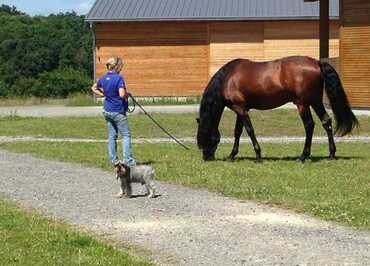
{"x": 182, "y": 226}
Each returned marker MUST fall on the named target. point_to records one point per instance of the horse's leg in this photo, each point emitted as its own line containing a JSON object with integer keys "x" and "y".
{"x": 248, "y": 126}
{"x": 326, "y": 123}
{"x": 309, "y": 125}
{"x": 237, "y": 133}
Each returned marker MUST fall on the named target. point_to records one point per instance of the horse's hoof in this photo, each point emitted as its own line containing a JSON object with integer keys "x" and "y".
{"x": 259, "y": 160}
{"x": 301, "y": 159}
{"x": 332, "y": 158}
{"x": 230, "y": 158}
{"x": 119, "y": 195}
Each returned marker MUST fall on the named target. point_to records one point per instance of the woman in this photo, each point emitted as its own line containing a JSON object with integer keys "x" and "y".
{"x": 112, "y": 87}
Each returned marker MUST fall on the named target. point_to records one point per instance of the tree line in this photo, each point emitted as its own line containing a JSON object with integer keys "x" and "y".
{"x": 44, "y": 56}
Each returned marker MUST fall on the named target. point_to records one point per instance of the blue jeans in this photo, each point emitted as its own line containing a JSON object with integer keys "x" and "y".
{"x": 117, "y": 122}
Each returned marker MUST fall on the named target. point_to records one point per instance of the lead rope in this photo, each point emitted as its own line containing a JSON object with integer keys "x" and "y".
{"x": 135, "y": 103}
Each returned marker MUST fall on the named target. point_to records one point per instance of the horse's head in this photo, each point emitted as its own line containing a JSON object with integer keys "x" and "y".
{"x": 208, "y": 139}
{"x": 210, "y": 112}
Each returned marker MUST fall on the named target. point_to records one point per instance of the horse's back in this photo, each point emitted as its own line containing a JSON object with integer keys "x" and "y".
{"x": 269, "y": 84}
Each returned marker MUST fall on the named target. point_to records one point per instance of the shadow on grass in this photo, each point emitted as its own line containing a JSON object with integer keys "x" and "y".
{"x": 313, "y": 159}
{"x": 143, "y": 196}
{"x": 146, "y": 162}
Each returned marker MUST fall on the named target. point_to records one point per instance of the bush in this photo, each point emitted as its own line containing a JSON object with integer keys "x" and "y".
{"x": 3, "y": 89}
{"x": 61, "y": 83}
{"x": 22, "y": 87}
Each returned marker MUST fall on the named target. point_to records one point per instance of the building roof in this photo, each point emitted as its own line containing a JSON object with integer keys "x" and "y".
{"x": 224, "y": 10}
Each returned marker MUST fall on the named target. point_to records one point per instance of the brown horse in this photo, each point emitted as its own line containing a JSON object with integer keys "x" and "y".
{"x": 242, "y": 85}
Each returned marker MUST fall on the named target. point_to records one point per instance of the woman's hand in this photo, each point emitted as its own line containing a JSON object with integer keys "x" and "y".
{"x": 97, "y": 91}
{"x": 127, "y": 95}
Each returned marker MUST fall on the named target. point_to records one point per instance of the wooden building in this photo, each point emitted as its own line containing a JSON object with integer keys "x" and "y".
{"x": 355, "y": 51}
{"x": 354, "y": 60}
{"x": 172, "y": 50}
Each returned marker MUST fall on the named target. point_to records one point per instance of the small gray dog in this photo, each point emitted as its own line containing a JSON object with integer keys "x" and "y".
{"x": 143, "y": 174}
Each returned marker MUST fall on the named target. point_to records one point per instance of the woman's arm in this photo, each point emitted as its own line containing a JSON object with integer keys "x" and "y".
{"x": 97, "y": 91}
{"x": 123, "y": 93}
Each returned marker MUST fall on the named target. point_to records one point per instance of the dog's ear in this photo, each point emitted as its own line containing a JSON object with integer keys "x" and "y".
{"x": 117, "y": 163}
{"x": 126, "y": 166}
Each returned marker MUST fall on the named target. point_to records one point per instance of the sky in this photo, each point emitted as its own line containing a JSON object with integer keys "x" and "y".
{"x": 46, "y": 7}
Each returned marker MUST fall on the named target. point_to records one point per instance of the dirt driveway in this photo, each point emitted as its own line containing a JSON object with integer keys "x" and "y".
{"x": 183, "y": 226}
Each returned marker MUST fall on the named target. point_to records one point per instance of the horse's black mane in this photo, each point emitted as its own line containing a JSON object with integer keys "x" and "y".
{"x": 212, "y": 105}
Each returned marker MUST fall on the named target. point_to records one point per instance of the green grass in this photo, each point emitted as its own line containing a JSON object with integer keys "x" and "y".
{"x": 86, "y": 99}
{"x": 167, "y": 100}
{"x": 77, "y": 99}
{"x": 266, "y": 123}
{"x": 27, "y": 238}
{"x": 81, "y": 99}
{"x": 28, "y": 101}
{"x": 332, "y": 190}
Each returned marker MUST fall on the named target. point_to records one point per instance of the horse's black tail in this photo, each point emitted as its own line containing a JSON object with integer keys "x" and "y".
{"x": 344, "y": 117}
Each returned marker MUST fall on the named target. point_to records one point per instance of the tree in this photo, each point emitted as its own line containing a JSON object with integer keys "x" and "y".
{"x": 31, "y": 48}
{"x": 10, "y": 10}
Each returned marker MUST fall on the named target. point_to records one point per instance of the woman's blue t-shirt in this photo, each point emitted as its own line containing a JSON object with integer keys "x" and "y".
{"x": 111, "y": 83}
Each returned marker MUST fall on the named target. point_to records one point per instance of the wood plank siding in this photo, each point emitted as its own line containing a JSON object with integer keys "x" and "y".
{"x": 160, "y": 58}
{"x": 355, "y": 51}
{"x": 178, "y": 58}
{"x": 281, "y": 39}
{"x": 230, "y": 40}
{"x": 263, "y": 41}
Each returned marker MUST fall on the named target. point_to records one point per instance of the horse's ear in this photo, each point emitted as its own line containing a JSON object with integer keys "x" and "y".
{"x": 197, "y": 120}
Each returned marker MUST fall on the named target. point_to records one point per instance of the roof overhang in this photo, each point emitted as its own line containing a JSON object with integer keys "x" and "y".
{"x": 206, "y": 10}
{"x": 207, "y": 19}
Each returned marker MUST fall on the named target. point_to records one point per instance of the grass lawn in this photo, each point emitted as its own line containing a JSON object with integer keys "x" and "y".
{"x": 26, "y": 238}
{"x": 78, "y": 99}
{"x": 86, "y": 99}
{"x": 266, "y": 123}
{"x": 333, "y": 190}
